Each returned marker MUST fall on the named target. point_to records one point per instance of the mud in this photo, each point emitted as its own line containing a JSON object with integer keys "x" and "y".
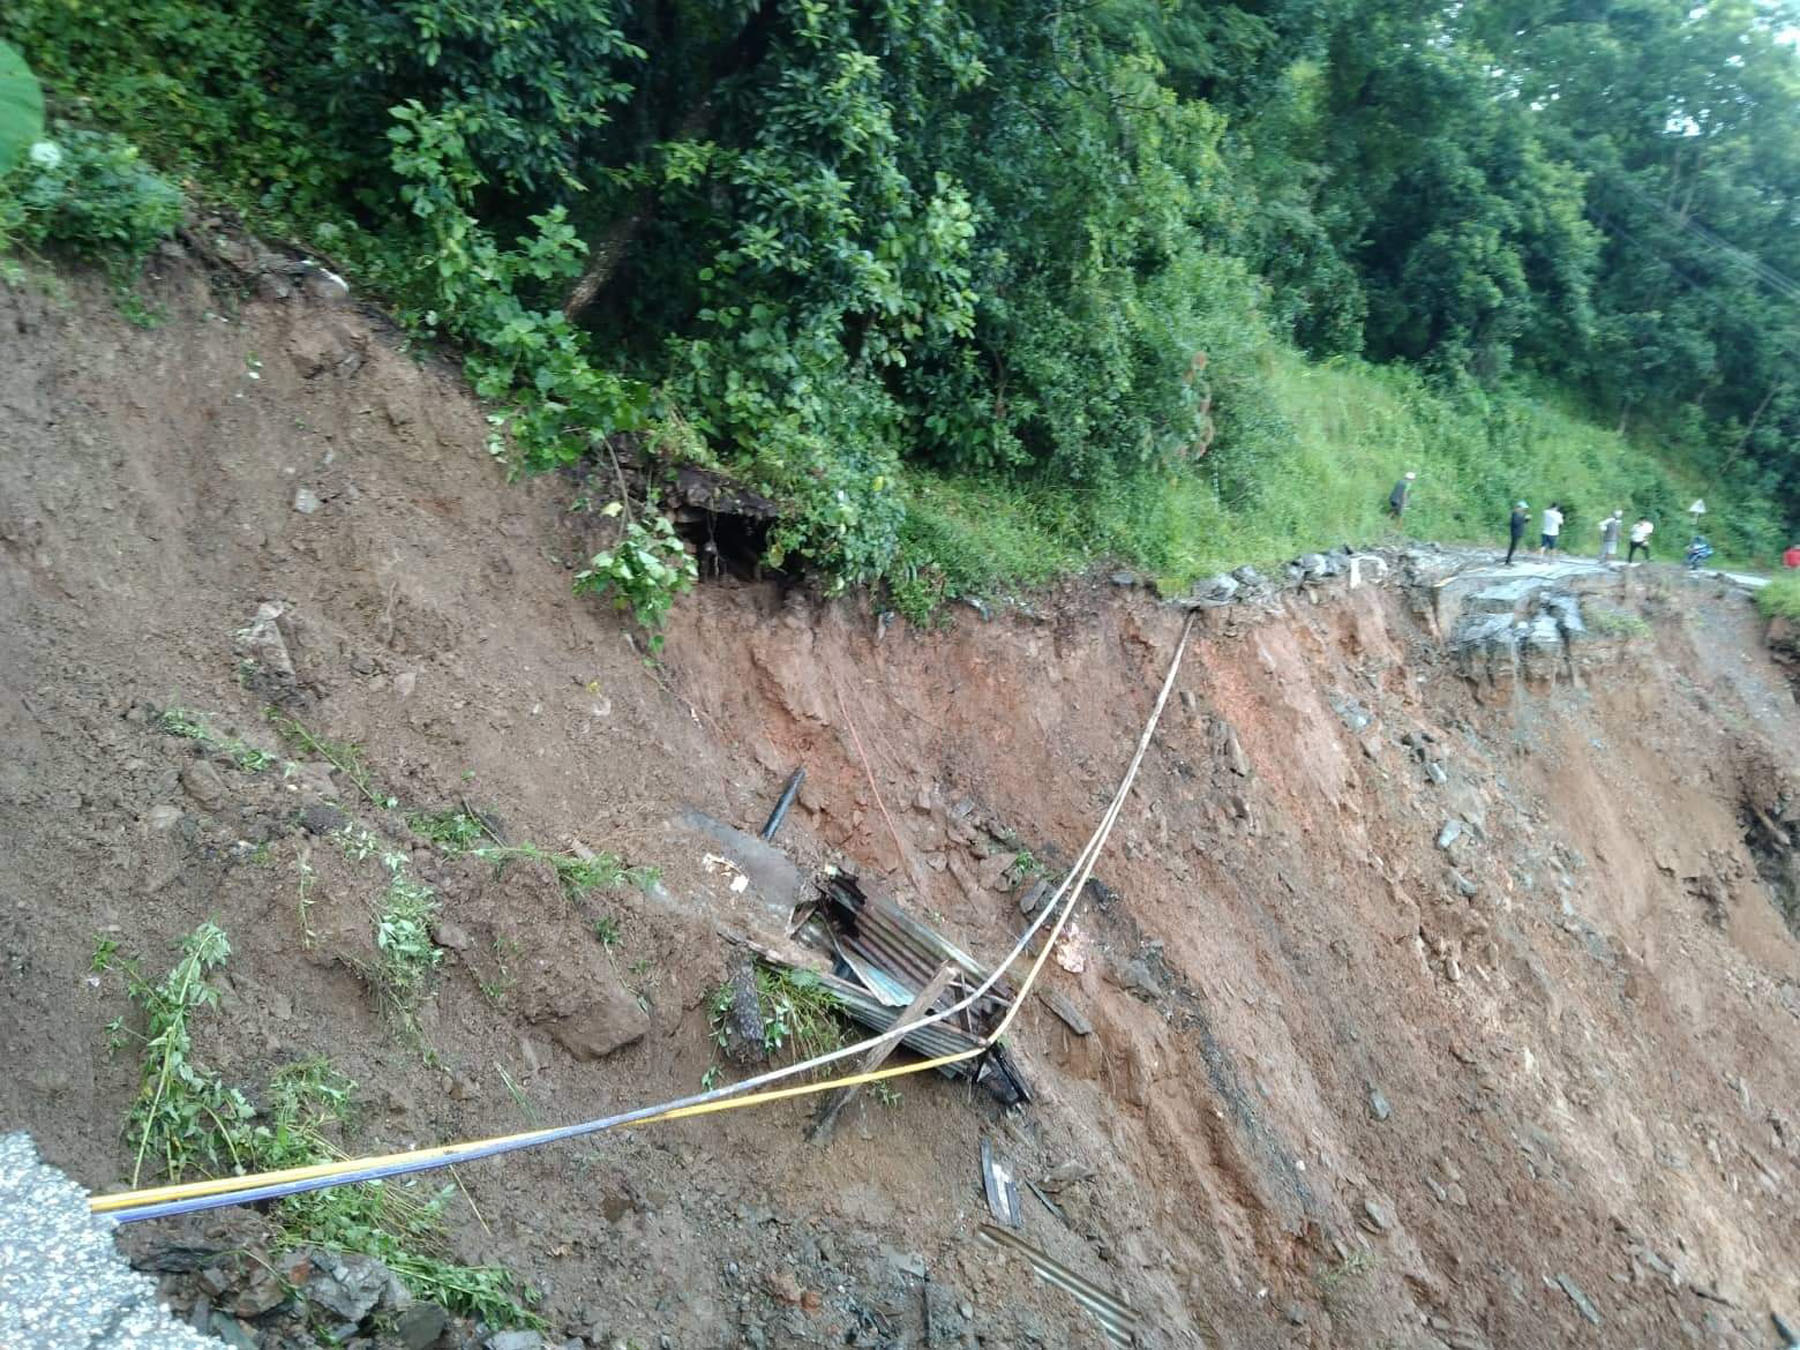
{"x": 1343, "y": 1087}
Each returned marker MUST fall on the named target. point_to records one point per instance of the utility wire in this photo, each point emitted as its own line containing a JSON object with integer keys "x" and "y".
{"x": 189, "y": 1197}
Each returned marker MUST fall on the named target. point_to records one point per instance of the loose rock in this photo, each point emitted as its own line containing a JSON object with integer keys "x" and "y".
{"x": 351, "y": 1288}
{"x": 451, "y": 935}
{"x": 325, "y": 286}
{"x": 1377, "y": 1214}
{"x": 1064, "y": 1175}
{"x": 204, "y": 785}
{"x": 1221, "y": 589}
{"x": 321, "y": 819}
{"x": 262, "y": 648}
{"x": 261, "y": 1295}
{"x": 1134, "y": 977}
{"x": 306, "y": 501}
{"x": 1378, "y": 1104}
{"x": 783, "y": 1287}
{"x": 1583, "y": 1304}
{"x": 1451, "y": 832}
{"x": 230, "y": 1331}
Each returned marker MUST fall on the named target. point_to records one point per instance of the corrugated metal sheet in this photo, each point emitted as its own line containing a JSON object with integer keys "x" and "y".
{"x": 885, "y": 957}
{"x": 877, "y": 931}
{"x": 929, "y": 1041}
{"x": 1118, "y": 1319}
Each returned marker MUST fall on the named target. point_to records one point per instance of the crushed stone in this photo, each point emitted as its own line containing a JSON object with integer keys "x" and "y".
{"x": 62, "y": 1281}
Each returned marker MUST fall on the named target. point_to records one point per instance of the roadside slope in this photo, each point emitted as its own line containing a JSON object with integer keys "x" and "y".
{"x": 1344, "y": 1086}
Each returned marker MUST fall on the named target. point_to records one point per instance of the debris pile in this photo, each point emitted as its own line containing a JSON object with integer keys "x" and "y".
{"x": 884, "y": 958}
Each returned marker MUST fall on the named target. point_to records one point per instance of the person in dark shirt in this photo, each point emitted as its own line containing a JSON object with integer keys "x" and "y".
{"x": 1520, "y": 519}
{"x": 1397, "y": 498}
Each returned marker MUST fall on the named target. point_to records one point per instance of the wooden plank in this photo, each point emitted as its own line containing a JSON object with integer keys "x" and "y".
{"x": 1071, "y": 1016}
{"x": 835, "y": 1103}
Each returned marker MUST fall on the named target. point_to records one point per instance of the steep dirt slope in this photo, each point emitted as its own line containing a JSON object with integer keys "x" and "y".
{"x": 1345, "y": 1087}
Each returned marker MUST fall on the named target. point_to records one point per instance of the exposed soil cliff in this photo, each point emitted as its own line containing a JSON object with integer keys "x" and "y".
{"x": 1439, "y": 985}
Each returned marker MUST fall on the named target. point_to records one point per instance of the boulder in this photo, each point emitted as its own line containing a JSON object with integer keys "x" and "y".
{"x": 421, "y": 1326}
{"x": 1220, "y": 589}
{"x": 348, "y": 1286}
{"x": 263, "y": 646}
{"x": 204, "y": 785}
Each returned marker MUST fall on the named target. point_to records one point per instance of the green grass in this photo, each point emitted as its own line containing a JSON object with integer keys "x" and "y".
{"x": 407, "y": 955}
{"x": 800, "y": 1015}
{"x": 453, "y": 831}
{"x": 576, "y": 874}
{"x": 1313, "y": 473}
{"x": 1780, "y": 599}
{"x": 345, "y": 756}
{"x": 1616, "y": 622}
{"x": 192, "y": 726}
{"x": 187, "y": 1119}
{"x": 184, "y": 1116}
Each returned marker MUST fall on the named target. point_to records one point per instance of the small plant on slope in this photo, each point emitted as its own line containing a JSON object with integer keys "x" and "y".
{"x": 344, "y": 756}
{"x": 403, "y": 937}
{"x": 644, "y": 571}
{"x": 797, "y": 1010}
{"x": 192, "y": 726}
{"x": 399, "y": 1223}
{"x": 88, "y": 192}
{"x": 576, "y": 873}
{"x": 191, "y": 1120}
{"x": 183, "y": 1115}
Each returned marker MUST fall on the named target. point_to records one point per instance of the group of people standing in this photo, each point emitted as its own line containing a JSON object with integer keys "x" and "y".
{"x": 1550, "y": 536}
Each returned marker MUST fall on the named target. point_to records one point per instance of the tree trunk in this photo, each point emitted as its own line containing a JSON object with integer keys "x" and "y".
{"x": 742, "y": 53}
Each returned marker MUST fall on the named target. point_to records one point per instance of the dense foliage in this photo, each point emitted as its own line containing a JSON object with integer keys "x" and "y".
{"x": 889, "y": 260}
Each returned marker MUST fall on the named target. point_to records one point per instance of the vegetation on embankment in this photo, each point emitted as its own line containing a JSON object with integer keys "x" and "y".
{"x": 1349, "y": 429}
{"x": 976, "y": 292}
{"x": 1780, "y": 599}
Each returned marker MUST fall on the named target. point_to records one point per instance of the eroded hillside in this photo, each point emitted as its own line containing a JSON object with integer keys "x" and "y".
{"x": 1438, "y": 988}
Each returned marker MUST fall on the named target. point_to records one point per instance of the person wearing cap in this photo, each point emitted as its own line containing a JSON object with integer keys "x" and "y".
{"x": 1640, "y": 539}
{"x": 1397, "y": 498}
{"x": 1517, "y": 523}
{"x": 1609, "y": 535}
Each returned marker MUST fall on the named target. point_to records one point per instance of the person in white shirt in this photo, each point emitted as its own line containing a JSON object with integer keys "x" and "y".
{"x": 1553, "y": 521}
{"x": 1640, "y": 539}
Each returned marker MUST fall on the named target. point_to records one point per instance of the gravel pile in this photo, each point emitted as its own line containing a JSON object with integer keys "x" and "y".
{"x": 62, "y": 1281}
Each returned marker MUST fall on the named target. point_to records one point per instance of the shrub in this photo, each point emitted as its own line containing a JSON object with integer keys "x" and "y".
{"x": 89, "y": 193}
{"x": 644, "y": 571}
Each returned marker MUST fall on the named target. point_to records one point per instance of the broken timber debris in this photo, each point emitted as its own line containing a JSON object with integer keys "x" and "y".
{"x": 835, "y": 1104}
{"x": 884, "y": 958}
{"x": 1071, "y": 1016}
{"x": 1002, "y": 1188}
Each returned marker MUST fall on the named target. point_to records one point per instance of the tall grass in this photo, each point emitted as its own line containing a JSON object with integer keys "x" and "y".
{"x": 1780, "y": 599}
{"x": 1311, "y": 469}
